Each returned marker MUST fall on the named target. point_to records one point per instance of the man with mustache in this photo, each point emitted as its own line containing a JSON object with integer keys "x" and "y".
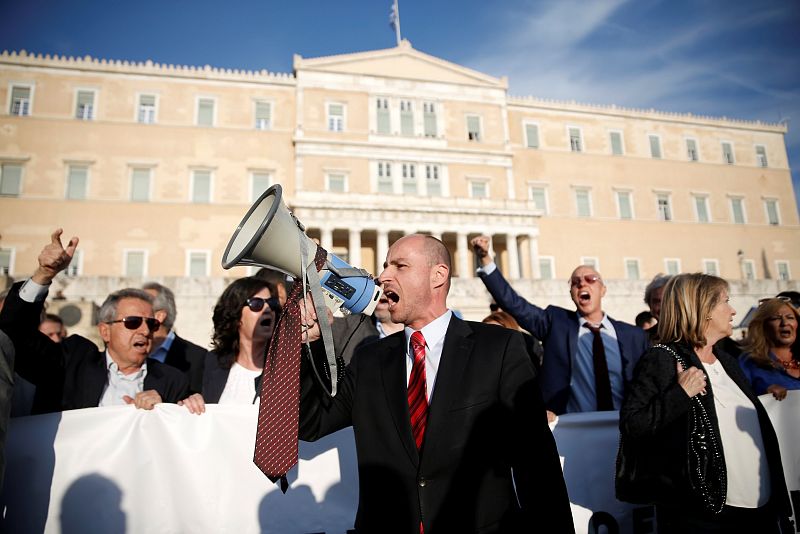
{"x": 450, "y": 430}
{"x": 74, "y": 374}
{"x": 576, "y": 343}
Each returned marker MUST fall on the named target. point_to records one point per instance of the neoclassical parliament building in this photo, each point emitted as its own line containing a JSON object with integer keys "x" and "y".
{"x": 154, "y": 165}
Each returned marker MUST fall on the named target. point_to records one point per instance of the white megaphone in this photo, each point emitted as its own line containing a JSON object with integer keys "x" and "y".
{"x": 270, "y": 236}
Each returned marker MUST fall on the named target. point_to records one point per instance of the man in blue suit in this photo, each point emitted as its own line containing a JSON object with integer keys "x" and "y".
{"x": 572, "y": 340}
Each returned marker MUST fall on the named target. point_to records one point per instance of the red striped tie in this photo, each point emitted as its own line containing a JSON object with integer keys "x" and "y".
{"x": 417, "y": 390}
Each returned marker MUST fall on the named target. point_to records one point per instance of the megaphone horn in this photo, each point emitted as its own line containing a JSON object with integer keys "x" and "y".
{"x": 270, "y": 236}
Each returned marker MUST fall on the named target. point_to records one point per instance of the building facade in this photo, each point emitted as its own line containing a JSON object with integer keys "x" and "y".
{"x": 153, "y": 166}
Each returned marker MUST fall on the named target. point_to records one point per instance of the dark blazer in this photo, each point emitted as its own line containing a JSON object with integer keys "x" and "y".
{"x": 189, "y": 358}
{"x": 486, "y": 418}
{"x": 349, "y": 332}
{"x": 71, "y": 374}
{"x": 215, "y": 376}
{"x": 655, "y": 415}
{"x": 557, "y": 328}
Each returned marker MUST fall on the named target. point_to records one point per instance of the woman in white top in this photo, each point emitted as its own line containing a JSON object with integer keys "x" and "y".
{"x": 695, "y": 440}
{"x": 244, "y": 318}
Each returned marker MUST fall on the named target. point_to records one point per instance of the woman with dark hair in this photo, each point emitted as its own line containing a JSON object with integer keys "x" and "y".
{"x": 244, "y": 318}
{"x": 695, "y": 440}
{"x": 772, "y": 359}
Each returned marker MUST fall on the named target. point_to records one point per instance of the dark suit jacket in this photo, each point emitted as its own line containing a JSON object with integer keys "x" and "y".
{"x": 349, "y": 332}
{"x": 558, "y": 330}
{"x": 71, "y": 374}
{"x": 486, "y": 418}
{"x": 189, "y": 358}
{"x": 215, "y": 377}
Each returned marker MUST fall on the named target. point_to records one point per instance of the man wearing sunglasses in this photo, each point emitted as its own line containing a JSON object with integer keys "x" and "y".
{"x": 74, "y": 374}
{"x": 571, "y": 355}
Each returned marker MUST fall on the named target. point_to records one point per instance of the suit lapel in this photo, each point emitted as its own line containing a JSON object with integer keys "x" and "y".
{"x": 393, "y": 374}
{"x": 456, "y": 353}
{"x": 96, "y": 379}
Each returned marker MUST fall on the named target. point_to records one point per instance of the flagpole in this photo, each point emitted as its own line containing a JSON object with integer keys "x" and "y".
{"x": 396, "y": 20}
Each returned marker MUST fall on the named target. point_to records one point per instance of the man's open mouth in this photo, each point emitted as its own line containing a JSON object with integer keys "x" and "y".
{"x": 584, "y": 296}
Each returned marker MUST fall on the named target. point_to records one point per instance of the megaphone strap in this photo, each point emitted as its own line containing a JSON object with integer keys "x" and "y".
{"x": 345, "y": 272}
{"x": 324, "y": 327}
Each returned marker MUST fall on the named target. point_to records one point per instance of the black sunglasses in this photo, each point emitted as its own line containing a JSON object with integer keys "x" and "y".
{"x": 256, "y": 304}
{"x": 134, "y": 321}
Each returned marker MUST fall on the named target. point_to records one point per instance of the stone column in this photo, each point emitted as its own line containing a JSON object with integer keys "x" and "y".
{"x": 354, "y": 247}
{"x": 462, "y": 249}
{"x": 513, "y": 256}
{"x": 533, "y": 248}
{"x": 381, "y": 249}
{"x": 326, "y": 238}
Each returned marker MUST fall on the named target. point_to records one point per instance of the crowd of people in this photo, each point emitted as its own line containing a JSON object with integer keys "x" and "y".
{"x": 690, "y": 419}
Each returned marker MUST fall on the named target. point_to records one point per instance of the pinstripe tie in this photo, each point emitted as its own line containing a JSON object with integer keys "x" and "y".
{"x": 417, "y": 390}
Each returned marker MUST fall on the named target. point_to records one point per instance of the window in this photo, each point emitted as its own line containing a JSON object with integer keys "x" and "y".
{"x": 259, "y": 182}
{"x": 146, "y": 113}
{"x": 531, "y": 135}
{"x": 6, "y": 261}
{"x": 473, "y": 128}
{"x": 384, "y": 124}
{"x": 429, "y": 116}
{"x": 75, "y": 267}
{"x": 631, "y": 268}
{"x": 197, "y": 262}
{"x": 737, "y": 210}
{"x": 84, "y": 108}
{"x": 655, "y": 146}
{"x": 538, "y": 196}
{"x": 10, "y": 179}
{"x": 616, "y": 143}
{"x": 336, "y": 182}
{"x": 140, "y": 185}
{"x": 135, "y": 263}
{"x": 749, "y": 269}
{"x": 77, "y": 182}
{"x": 546, "y": 270}
{"x": 773, "y": 215}
{"x": 711, "y": 267}
{"x": 727, "y": 153}
{"x": 478, "y": 189}
{"x": 590, "y": 261}
{"x": 783, "y": 270}
{"x": 263, "y": 115}
{"x": 691, "y": 150}
{"x": 672, "y": 266}
{"x": 409, "y": 179}
{"x": 432, "y": 183}
{"x": 385, "y": 183}
{"x": 575, "y": 142}
{"x": 761, "y": 156}
{"x": 664, "y": 207}
{"x": 205, "y": 111}
{"x": 583, "y": 202}
{"x": 406, "y": 118}
{"x": 701, "y": 208}
{"x": 20, "y": 100}
{"x": 624, "y": 205}
{"x": 336, "y": 117}
{"x": 201, "y": 186}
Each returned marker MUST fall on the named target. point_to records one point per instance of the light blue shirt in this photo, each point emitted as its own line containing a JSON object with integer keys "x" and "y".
{"x": 433, "y": 333}
{"x": 120, "y": 384}
{"x": 160, "y": 353}
{"x": 583, "y": 397}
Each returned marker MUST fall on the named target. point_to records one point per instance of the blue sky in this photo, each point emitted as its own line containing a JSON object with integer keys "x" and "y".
{"x": 734, "y": 58}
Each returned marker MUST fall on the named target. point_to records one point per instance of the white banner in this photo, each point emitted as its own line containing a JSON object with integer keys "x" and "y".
{"x": 118, "y": 469}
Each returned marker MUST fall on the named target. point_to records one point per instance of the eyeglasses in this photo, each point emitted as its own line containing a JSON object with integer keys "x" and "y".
{"x": 782, "y": 298}
{"x": 133, "y": 322}
{"x": 256, "y": 304}
{"x": 588, "y": 278}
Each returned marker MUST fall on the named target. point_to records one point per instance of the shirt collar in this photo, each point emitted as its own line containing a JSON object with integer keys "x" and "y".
{"x": 605, "y": 323}
{"x": 113, "y": 368}
{"x": 433, "y": 332}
